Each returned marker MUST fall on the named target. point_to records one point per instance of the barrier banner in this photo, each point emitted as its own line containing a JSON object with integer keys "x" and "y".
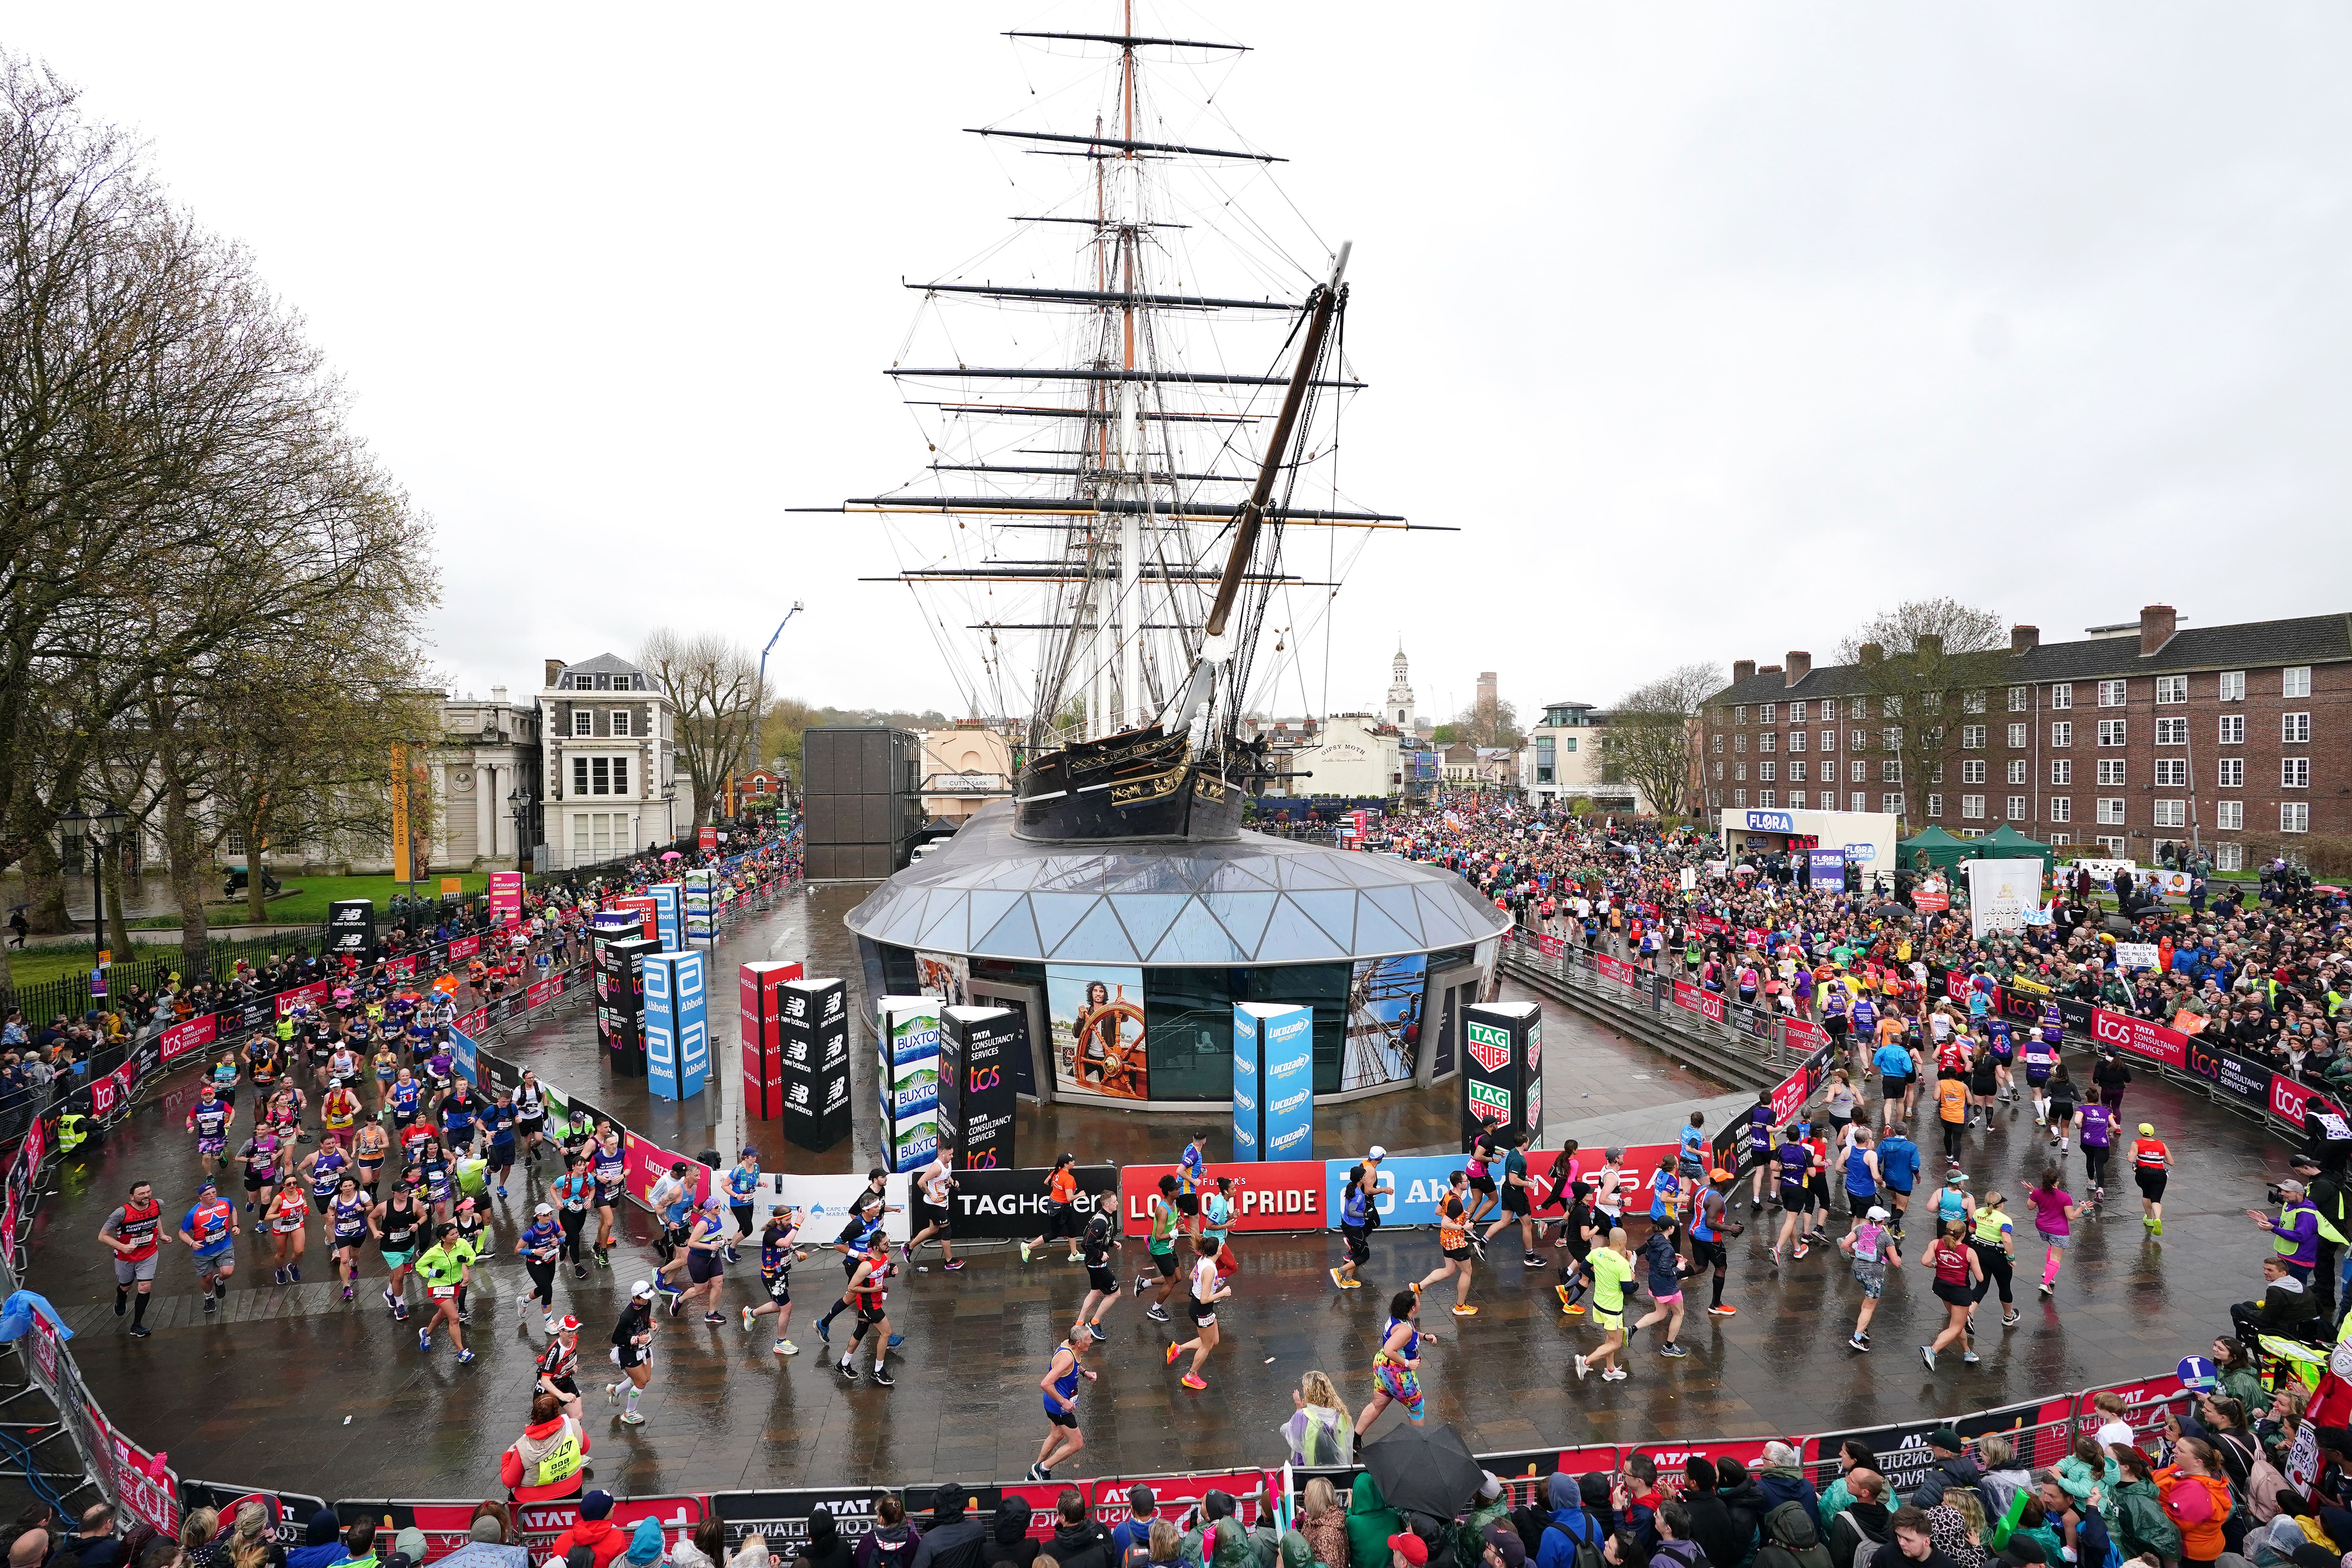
{"x": 465, "y": 1057}
{"x": 464, "y": 947}
{"x": 290, "y": 1512}
{"x": 1551, "y": 946}
{"x": 194, "y": 1035}
{"x": 781, "y": 1518}
{"x": 538, "y": 1523}
{"x": 1010, "y": 1205}
{"x": 2294, "y": 1103}
{"x": 1616, "y": 969}
{"x": 825, "y": 1203}
{"x": 1178, "y": 1496}
{"x": 2168, "y": 1047}
{"x": 1706, "y": 1004}
{"x": 143, "y": 1488}
{"x": 1275, "y": 1195}
{"x": 1670, "y": 1457}
{"x": 1904, "y": 1457}
{"x": 1406, "y": 1190}
{"x": 315, "y": 994}
{"x": 644, "y": 1163}
{"x": 1041, "y": 1497}
{"x": 402, "y": 968}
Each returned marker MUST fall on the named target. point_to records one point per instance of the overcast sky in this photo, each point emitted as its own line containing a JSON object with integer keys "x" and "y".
{"x": 1715, "y": 328}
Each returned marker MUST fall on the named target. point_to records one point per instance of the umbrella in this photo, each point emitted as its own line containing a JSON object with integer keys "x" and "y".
{"x": 1424, "y": 1469}
{"x": 672, "y": 855}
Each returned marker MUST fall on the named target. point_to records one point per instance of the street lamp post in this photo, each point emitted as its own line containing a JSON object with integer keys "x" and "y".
{"x": 518, "y": 806}
{"x": 73, "y": 825}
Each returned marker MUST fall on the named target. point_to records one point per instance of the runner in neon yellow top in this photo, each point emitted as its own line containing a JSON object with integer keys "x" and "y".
{"x": 442, "y": 1266}
{"x": 1612, "y": 1271}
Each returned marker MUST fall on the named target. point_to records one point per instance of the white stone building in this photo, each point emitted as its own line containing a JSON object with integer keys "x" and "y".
{"x": 1355, "y": 754}
{"x": 487, "y": 752}
{"x": 609, "y": 735}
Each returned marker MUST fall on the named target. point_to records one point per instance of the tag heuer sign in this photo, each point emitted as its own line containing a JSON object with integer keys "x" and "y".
{"x": 1489, "y": 1103}
{"x": 1490, "y": 1048}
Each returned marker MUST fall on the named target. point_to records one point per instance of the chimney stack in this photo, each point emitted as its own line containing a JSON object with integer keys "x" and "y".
{"x": 2024, "y": 639}
{"x": 1742, "y": 669}
{"x": 1801, "y": 664}
{"x": 1870, "y": 653}
{"x": 498, "y": 695}
{"x": 2157, "y": 625}
{"x": 554, "y": 672}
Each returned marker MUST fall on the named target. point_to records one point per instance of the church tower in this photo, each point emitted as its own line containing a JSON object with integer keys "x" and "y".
{"x": 1400, "y": 702}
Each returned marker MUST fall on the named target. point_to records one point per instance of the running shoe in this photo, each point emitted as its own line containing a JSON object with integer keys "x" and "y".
{"x": 522, "y": 1308}
{"x": 400, "y": 1313}
{"x": 1615, "y": 1375}
{"x": 1970, "y": 1357}
{"x": 467, "y": 1316}
{"x": 1582, "y": 1369}
{"x": 1036, "y": 1473}
{"x": 1195, "y": 1384}
{"x": 1721, "y": 1311}
{"x": 631, "y": 1418}
{"x": 882, "y": 1378}
{"x": 2012, "y": 1320}
{"x": 347, "y": 1292}
{"x": 786, "y": 1347}
{"x": 2048, "y": 1289}
{"x": 749, "y": 1319}
{"x": 1025, "y": 1252}
{"x": 1097, "y": 1329}
{"x": 546, "y": 1325}
{"x": 718, "y": 1319}
{"x": 580, "y": 1271}
{"x": 1673, "y": 1352}
{"x": 1141, "y": 1277}
{"x": 1800, "y": 1251}
{"x": 1077, "y": 1257}
{"x": 122, "y": 1303}
{"x": 502, "y": 1191}
{"x": 211, "y": 1303}
{"x": 279, "y": 1278}
{"x": 896, "y": 1339}
{"x": 2158, "y": 1228}
{"x": 1928, "y": 1355}
{"x": 294, "y": 1271}
{"x": 848, "y": 1372}
{"x": 1156, "y": 1312}
{"x": 1173, "y": 1351}
{"x": 1858, "y": 1343}
{"x": 1337, "y": 1284}
{"x": 464, "y": 1358}
{"x": 140, "y": 1331}
{"x": 1466, "y": 1310}
{"x": 955, "y": 1264}
{"x": 1353, "y": 1285}
{"x": 424, "y": 1338}
{"x": 1416, "y": 1286}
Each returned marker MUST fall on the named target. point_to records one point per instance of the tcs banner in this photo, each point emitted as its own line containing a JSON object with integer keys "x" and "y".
{"x": 2158, "y": 1044}
{"x": 1277, "y": 1195}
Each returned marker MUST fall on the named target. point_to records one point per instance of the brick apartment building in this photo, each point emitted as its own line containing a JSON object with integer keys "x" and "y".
{"x": 2131, "y": 739}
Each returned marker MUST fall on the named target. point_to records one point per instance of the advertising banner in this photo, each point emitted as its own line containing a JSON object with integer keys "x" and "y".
{"x": 826, "y": 1203}
{"x": 812, "y": 1056}
{"x": 621, "y": 1001}
{"x": 701, "y": 906}
{"x": 1282, "y": 1195}
{"x": 1904, "y": 1459}
{"x": 1826, "y": 868}
{"x": 465, "y": 1056}
{"x": 464, "y": 947}
{"x": 2294, "y": 1104}
{"x": 1274, "y": 1081}
{"x": 758, "y": 1011}
{"x": 351, "y": 928}
{"x": 1502, "y": 1083}
{"x": 289, "y": 1512}
{"x": 669, "y": 914}
{"x": 2140, "y": 1038}
{"x": 2003, "y": 894}
{"x": 781, "y": 1518}
{"x": 1384, "y": 1003}
{"x": 1405, "y": 1192}
{"x": 1010, "y": 1205}
{"x": 1706, "y": 1004}
{"x": 909, "y": 1080}
{"x": 314, "y": 996}
{"x": 194, "y": 1035}
{"x": 647, "y": 911}
{"x": 538, "y": 1523}
{"x": 1097, "y": 1016}
{"x": 506, "y": 896}
{"x": 985, "y": 1042}
{"x": 678, "y": 1023}
{"x": 1616, "y": 969}
{"x": 644, "y": 1163}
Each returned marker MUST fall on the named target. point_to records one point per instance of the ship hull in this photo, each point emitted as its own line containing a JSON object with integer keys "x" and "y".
{"x": 1177, "y": 800}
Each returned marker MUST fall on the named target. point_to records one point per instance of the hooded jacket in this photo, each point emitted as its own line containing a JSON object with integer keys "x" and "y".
{"x": 603, "y": 1540}
{"x": 824, "y": 1548}
{"x": 1370, "y": 1522}
{"x": 1745, "y": 1504}
{"x": 321, "y": 1543}
{"x": 1790, "y": 1539}
{"x": 1953, "y": 1470}
{"x": 645, "y": 1544}
{"x": 951, "y": 1543}
{"x": 1725, "y": 1543}
{"x": 1085, "y": 1544}
{"x": 519, "y": 1465}
{"x": 1569, "y": 1526}
{"x": 1008, "y": 1535}
{"x": 887, "y": 1546}
{"x": 1787, "y": 1483}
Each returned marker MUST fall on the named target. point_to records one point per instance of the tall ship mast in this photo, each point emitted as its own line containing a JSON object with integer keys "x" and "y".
{"x": 1122, "y": 443}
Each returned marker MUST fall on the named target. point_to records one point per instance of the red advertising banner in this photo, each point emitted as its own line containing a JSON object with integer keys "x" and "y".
{"x": 1177, "y": 1495}
{"x": 191, "y": 1035}
{"x": 647, "y": 908}
{"x": 707, "y": 840}
{"x": 402, "y": 968}
{"x": 1278, "y": 1194}
{"x": 142, "y": 1483}
{"x": 464, "y": 947}
{"x": 110, "y": 1092}
{"x": 541, "y": 992}
{"x": 1805, "y": 1036}
{"x": 1551, "y": 946}
{"x": 475, "y": 1023}
{"x": 2292, "y": 1102}
{"x": 1706, "y": 1004}
{"x": 1617, "y": 969}
{"x": 2153, "y": 1041}
{"x": 538, "y": 1523}
{"x": 645, "y": 1163}
{"x": 506, "y": 896}
{"x": 1930, "y": 901}
{"x": 1710, "y": 926}
{"x": 315, "y": 994}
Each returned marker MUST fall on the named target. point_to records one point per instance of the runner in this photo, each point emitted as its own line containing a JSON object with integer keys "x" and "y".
{"x": 538, "y": 1247}
{"x": 611, "y": 1173}
{"x": 1580, "y": 1233}
{"x": 2053, "y": 1209}
{"x": 1791, "y": 1160}
{"x": 1060, "y": 1386}
{"x": 571, "y": 1193}
{"x": 499, "y": 1119}
{"x": 348, "y": 1229}
{"x": 2151, "y": 1168}
{"x": 1359, "y": 1207}
{"x": 472, "y": 1243}
{"x": 1994, "y": 1237}
{"x": 442, "y": 1266}
{"x": 325, "y": 1166}
{"x": 776, "y": 1260}
{"x": 399, "y": 1224}
{"x": 1862, "y": 1175}
{"x": 672, "y": 1197}
{"x": 558, "y": 1365}
{"x": 705, "y": 1260}
{"x": 1872, "y": 1247}
{"x": 210, "y": 1119}
{"x": 1452, "y": 1244}
{"x": 1061, "y": 1205}
{"x": 405, "y": 1098}
{"x": 1191, "y": 1167}
{"x": 287, "y": 1219}
{"x": 1208, "y": 1290}
{"x": 369, "y": 1147}
{"x": 1167, "y": 1216}
{"x": 386, "y": 1063}
{"x": 633, "y": 1351}
{"x": 1479, "y": 1170}
{"x": 264, "y": 1157}
{"x": 2063, "y": 1099}
{"x": 1662, "y": 1259}
{"x": 1102, "y": 1279}
{"x": 869, "y": 1293}
{"x": 1899, "y": 1165}
{"x": 932, "y": 1215}
{"x": 133, "y": 1233}
{"x": 209, "y": 1231}
{"x": 1396, "y": 1365}
{"x": 2098, "y": 1125}
{"x": 1613, "y": 1270}
{"x": 1216, "y": 1219}
{"x": 1957, "y": 1270}
{"x": 742, "y": 1185}
{"x": 2041, "y": 1054}
{"x": 226, "y": 1073}
{"x": 531, "y": 1117}
{"x": 1516, "y": 1199}
{"x": 1711, "y": 1233}
{"x": 1952, "y": 1111}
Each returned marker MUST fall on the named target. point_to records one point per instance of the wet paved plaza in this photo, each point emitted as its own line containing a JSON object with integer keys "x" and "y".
{"x": 260, "y": 1393}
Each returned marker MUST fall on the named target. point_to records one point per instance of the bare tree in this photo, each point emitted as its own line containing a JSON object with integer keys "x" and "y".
{"x": 1488, "y": 722}
{"x": 1924, "y": 699}
{"x": 714, "y": 685}
{"x": 1647, "y": 741}
{"x": 1958, "y": 628}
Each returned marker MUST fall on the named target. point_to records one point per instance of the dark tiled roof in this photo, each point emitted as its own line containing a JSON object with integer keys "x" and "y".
{"x": 604, "y": 664}
{"x": 2252, "y": 644}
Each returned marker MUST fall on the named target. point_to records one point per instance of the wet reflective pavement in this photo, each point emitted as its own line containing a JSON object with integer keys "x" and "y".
{"x": 260, "y": 1393}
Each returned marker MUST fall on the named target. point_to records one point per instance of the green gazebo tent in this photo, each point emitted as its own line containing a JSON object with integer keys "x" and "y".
{"x": 1941, "y": 849}
{"x": 2006, "y": 843}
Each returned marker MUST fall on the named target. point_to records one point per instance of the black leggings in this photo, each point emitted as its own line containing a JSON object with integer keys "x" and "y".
{"x": 543, "y": 1276}
{"x": 1953, "y": 1133}
{"x": 1996, "y": 1272}
{"x": 2095, "y": 1164}
{"x": 574, "y": 1220}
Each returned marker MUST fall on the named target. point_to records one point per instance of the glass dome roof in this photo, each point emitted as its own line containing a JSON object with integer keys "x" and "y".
{"x": 1256, "y": 900}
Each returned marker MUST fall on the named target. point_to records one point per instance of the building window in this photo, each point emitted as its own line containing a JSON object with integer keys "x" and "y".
{"x": 1739, "y": 742}
{"x": 1738, "y": 799}
{"x": 2234, "y": 685}
{"x": 2063, "y": 695}
{"x": 2172, "y": 772}
{"x": 2017, "y": 698}
{"x": 1718, "y": 747}
{"x": 2115, "y": 848}
{"x": 1935, "y": 806}
{"x": 1739, "y": 771}
{"x": 2111, "y": 811}
{"x": 579, "y": 779}
{"x": 1935, "y": 773}
{"x": 2233, "y": 773}
{"x": 2062, "y": 770}
{"x": 2228, "y": 857}
{"x": 583, "y": 721}
{"x": 1971, "y": 808}
{"x": 1568, "y": 742}
{"x": 2171, "y": 814}
{"x": 2294, "y": 728}
{"x": 234, "y": 843}
{"x": 1858, "y": 801}
{"x": 1768, "y": 742}
{"x": 1891, "y": 707}
{"x": 2017, "y": 741}
{"x": 1890, "y": 771}
{"x": 1768, "y": 772}
{"x": 1972, "y": 737}
{"x": 1718, "y": 772}
{"x": 1858, "y": 772}
{"x": 2296, "y": 681}
{"x": 2017, "y": 770}
{"x": 2111, "y": 770}
{"x": 2172, "y": 688}
{"x": 1796, "y": 800}
{"x": 2233, "y": 729}
{"x": 2060, "y": 809}
{"x": 1543, "y": 773}
{"x": 2017, "y": 808}
{"x": 1972, "y": 772}
{"x": 1972, "y": 702}
{"x": 1795, "y": 712}
{"x": 1765, "y": 797}
{"x": 1739, "y": 714}
{"x": 1859, "y": 739}
{"x": 2230, "y": 815}
{"x": 2110, "y": 731}
{"x": 2062, "y": 839}
{"x": 1796, "y": 740}
{"x": 2295, "y": 773}
{"x": 1796, "y": 772}
{"x": 2172, "y": 732}
{"x": 1765, "y": 714}
{"x": 1829, "y": 740}
{"x": 1891, "y": 740}
{"x": 2111, "y": 693}
{"x": 620, "y": 721}
{"x": 2062, "y": 734}
{"x": 2294, "y": 817}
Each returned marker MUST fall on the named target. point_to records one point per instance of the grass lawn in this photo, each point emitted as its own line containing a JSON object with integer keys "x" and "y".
{"x": 35, "y": 966}
{"x": 304, "y": 899}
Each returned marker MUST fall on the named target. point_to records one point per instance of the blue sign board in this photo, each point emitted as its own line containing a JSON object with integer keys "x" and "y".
{"x": 677, "y": 1024}
{"x": 1274, "y": 1082}
{"x": 1827, "y": 866}
{"x": 1405, "y": 1192}
{"x": 466, "y": 1058}
{"x": 669, "y": 914}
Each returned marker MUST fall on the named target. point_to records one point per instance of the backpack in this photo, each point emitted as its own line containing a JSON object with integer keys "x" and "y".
{"x": 1587, "y": 1555}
